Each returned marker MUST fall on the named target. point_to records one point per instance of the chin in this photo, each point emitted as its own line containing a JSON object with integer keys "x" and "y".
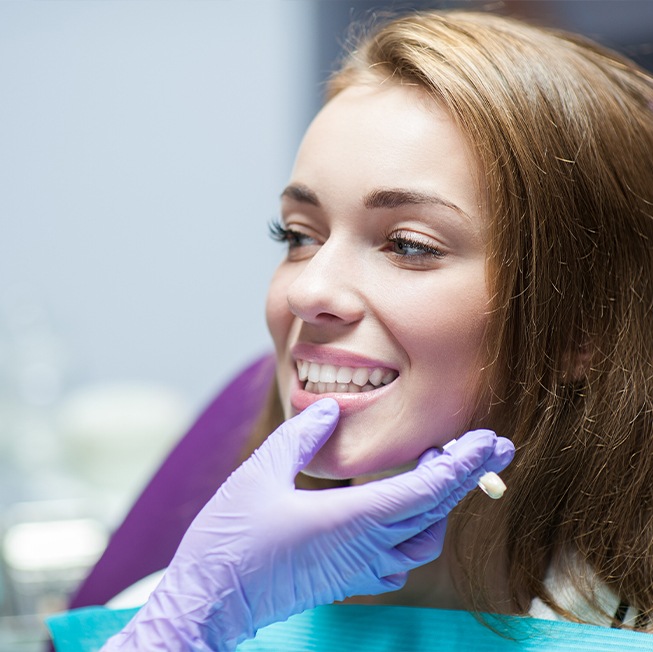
{"x": 334, "y": 462}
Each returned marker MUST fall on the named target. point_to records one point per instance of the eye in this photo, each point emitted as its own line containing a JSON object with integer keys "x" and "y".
{"x": 293, "y": 238}
{"x": 413, "y": 249}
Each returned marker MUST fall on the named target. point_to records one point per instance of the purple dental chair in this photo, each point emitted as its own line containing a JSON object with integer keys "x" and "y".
{"x": 150, "y": 533}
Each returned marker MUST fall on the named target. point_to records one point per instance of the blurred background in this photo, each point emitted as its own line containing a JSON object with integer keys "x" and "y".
{"x": 144, "y": 145}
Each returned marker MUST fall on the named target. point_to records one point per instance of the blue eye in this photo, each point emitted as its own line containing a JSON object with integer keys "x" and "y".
{"x": 410, "y": 247}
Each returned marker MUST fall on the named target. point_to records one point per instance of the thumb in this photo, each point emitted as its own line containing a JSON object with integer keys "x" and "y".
{"x": 294, "y": 443}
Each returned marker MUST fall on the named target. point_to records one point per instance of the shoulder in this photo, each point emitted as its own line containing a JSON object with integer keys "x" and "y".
{"x": 578, "y": 591}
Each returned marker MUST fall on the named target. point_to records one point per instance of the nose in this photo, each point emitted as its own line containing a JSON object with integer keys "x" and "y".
{"x": 328, "y": 288}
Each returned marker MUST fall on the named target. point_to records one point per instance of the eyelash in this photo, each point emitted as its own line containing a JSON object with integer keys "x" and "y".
{"x": 293, "y": 238}
{"x": 405, "y": 240}
{"x": 279, "y": 233}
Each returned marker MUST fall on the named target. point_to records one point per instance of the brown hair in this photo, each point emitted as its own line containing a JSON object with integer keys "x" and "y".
{"x": 563, "y": 130}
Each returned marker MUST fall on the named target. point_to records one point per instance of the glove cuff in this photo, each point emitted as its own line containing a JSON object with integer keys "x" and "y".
{"x": 192, "y": 622}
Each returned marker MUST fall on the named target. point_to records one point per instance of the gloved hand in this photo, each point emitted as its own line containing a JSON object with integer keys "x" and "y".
{"x": 261, "y": 550}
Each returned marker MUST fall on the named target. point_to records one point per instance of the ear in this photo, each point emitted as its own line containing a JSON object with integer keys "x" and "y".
{"x": 576, "y": 363}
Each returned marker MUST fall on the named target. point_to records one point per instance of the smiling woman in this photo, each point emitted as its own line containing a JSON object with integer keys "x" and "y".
{"x": 385, "y": 271}
{"x": 468, "y": 226}
{"x": 475, "y": 209}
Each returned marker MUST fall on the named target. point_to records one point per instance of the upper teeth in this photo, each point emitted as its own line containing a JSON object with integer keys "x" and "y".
{"x": 328, "y": 373}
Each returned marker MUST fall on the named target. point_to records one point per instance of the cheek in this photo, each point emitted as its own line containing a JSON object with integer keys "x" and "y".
{"x": 443, "y": 330}
{"x": 277, "y": 313}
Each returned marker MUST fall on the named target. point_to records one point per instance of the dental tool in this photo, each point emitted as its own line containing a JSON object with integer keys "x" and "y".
{"x": 490, "y": 483}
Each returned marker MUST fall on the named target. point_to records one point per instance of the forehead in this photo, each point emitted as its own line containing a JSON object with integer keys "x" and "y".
{"x": 387, "y": 136}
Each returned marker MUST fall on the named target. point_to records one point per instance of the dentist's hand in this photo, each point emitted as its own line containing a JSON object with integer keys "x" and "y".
{"x": 261, "y": 550}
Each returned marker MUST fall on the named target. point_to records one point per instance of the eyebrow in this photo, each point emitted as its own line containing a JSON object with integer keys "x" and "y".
{"x": 301, "y": 193}
{"x": 379, "y": 198}
{"x": 394, "y": 198}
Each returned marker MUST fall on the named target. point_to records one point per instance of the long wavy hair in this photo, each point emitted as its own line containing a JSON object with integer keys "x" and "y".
{"x": 563, "y": 131}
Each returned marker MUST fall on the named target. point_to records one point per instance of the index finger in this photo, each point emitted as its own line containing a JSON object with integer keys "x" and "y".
{"x": 429, "y": 485}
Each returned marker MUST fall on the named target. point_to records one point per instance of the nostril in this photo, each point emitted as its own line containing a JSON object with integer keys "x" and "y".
{"x": 327, "y": 310}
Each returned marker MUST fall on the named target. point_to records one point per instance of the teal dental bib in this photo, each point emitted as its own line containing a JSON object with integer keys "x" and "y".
{"x": 365, "y": 628}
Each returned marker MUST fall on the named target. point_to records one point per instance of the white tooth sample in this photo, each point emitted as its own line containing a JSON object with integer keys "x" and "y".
{"x": 344, "y": 375}
{"x": 360, "y": 376}
{"x": 367, "y": 388}
{"x": 321, "y": 388}
{"x": 330, "y": 387}
{"x": 314, "y": 372}
{"x": 353, "y": 389}
{"x": 492, "y": 485}
{"x": 327, "y": 373}
{"x": 376, "y": 376}
{"x": 342, "y": 387}
{"x": 302, "y": 367}
{"x": 389, "y": 377}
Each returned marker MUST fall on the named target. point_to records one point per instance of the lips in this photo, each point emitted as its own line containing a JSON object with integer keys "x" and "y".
{"x": 356, "y": 381}
{"x": 322, "y": 378}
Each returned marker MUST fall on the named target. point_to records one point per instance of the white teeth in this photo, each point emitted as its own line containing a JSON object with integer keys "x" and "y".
{"x": 360, "y": 376}
{"x": 340, "y": 388}
{"x": 344, "y": 375}
{"x": 328, "y": 373}
{"x": 323, "y": 378}
{"x": 314, "y": 372}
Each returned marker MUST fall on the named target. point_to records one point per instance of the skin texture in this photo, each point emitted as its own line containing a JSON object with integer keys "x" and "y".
{"x": 350, "y": 293}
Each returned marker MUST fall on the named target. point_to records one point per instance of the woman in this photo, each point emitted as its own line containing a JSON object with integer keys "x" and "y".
{"x": 562, "y": 131}
{"x": 469, "y": 226}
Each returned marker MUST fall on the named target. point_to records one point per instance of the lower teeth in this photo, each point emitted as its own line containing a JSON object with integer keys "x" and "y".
{"x": 339, "y": 388}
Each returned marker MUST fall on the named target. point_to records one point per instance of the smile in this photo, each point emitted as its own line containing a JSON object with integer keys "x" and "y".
{"x": 327, "y": 378}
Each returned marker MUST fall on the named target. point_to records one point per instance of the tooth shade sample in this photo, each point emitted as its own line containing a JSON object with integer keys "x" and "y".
{"x": 492, "y": 485}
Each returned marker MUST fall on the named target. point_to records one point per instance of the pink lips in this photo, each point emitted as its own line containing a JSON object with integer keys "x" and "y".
{"x": 334, "y": 356}
{"x": 300, "y": 399}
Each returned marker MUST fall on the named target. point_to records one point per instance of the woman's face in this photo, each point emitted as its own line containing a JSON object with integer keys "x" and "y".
{"x": 382, "y": 300}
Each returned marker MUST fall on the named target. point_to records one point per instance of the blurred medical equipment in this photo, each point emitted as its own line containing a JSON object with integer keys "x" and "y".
{"x": 72, "y": 458}
{"x": 200, "y": 462}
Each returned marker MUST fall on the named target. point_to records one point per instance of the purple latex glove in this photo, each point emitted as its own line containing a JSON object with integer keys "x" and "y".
{"x": 261, "y": 550}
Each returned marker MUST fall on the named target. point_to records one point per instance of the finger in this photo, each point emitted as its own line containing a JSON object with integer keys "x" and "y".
{"x": 395, "y": 534}
{"x": 504, "y": 452}
{"x": 429, "y": 454}
{"x": 424, "y": 546}
{"x": 294, "y": 443}
{"x": 392, "y": 582}
{"x": 502, "y": 455}
{"x": 427, "y": 486}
